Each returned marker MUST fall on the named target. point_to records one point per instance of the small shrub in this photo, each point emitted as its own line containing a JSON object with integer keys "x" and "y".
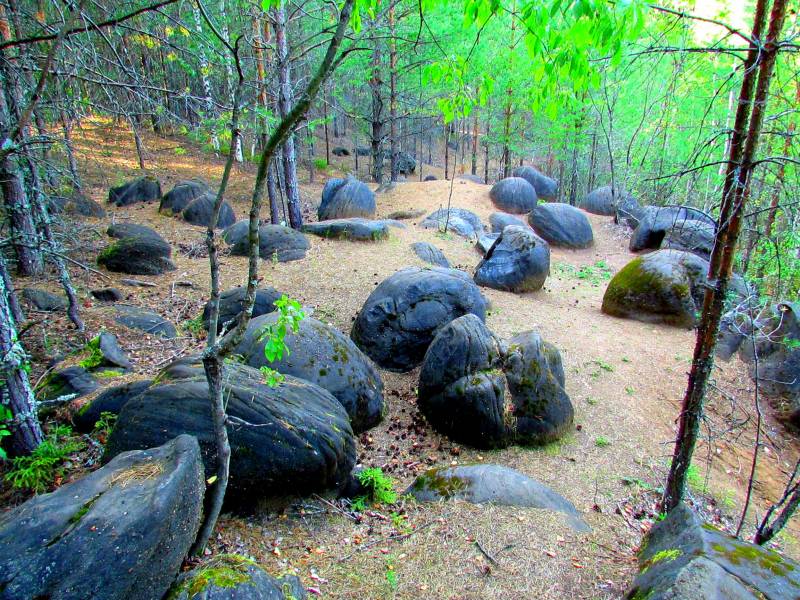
{"x": 378, "y": 487}
{"x": 94, "y": 356}
{"x": 38, "y": 471}
{"x": 601, "y": 442}
{"x": 5, "y": 419}
{"x": 320, "y": 164}
{"x": 290, "y": 314}
{"x": 104, "y": 425}
{"x": 194, "y": 325}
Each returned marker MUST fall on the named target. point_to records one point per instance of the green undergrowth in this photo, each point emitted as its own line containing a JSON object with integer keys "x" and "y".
{"x": 39, "y": 470}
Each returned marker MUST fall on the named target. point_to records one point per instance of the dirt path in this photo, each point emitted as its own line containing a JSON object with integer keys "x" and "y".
{"x": 625, "y": 378}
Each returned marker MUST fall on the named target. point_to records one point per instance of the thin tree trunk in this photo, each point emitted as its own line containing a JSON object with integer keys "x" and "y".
{"x": 375, "y": 83}
{"x": 759, "y": 64}
{"x": 474, "y": 166}
{"x": 394, "y": 166}
{"x": 446, "y": 150}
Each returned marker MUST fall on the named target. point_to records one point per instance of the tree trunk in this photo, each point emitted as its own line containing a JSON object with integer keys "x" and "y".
{"x": 375, "y": 84}
{"x": 446, "y": 150}
{"x": 394, "y": 166}
{"x": 759, "y": 63}
{"x": 474, "y": 166}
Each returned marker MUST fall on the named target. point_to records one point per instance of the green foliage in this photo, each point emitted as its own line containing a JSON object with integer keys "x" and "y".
{"x": 378, "y": 487}
{"x": 601, "y": 442}
{"x": 320, "y": 164}
{"x": 695, "y": 479}
{"x": 38, "y": 471}
{"x": 5, "y": 419}
{"x": 194, "y": 325}
{"x": 290, "y": 313}
{"x": 104, "y": 425}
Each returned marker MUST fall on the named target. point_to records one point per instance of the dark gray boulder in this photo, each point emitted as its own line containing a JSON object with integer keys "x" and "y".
{"x": 291, "y": 439}
{"x": 340, "y": 151}
{"x": 139, "y": 253}
{"x": 561, "y": 225}
{"x": 734, "y": 328}
{"x": 458, "y": 220}
{"x": 201, "y": 210}
{"x": 628, "y": 212}
{"x": 692, "y": 236}
{"x": 132, "y": 230}
{"x": 144, "y": 320}
{"x": 683, "y": 558}
{"x": 406, "y": 164}
{"x": 109, "y": 353}
{"x": 403, "y": 314}
{"x": 65, "y": 385}
{"x": 349, "y": 229}
{"x": 519, "y": 261}
{"x": 546, "y": 187}
{"x": 179, "y": 197}
{"x": 430, "y": 178}
{"x": 493, "y": 484}
{"x": 601, "y": 201}
{"x": 666, "y": 286}
{"x": 499, "y": 221}
{"x": 44, "y": 301}
{"x": 343, "y": 199}
{"x": 655, "y": 222}
{"x": 231, "y": 305}
{"x": 108, "y": 401}
{"x": 486, "y": 241}
{"x": 468, "y": 374}
{"x": 472, "y": 178}
{"x": 119, "y": 532}
{"x": 109, "y": 294}
{"x": 514, "y": 195}
{"x": 236, "y": 232}
{"x": 77, "y": 204}
{"x": 144, "y": 189}
{"x": 234, "y": 577}
{"x": 462, "y": 386}
{"x": 430, "y": 254}
{"x": 321, "y": 354}
{"x": 275, "y": 242}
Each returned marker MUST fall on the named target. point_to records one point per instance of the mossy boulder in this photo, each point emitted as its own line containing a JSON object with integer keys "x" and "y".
{"x": 518, "y": 261}
{"x": 493, "y": 484}
{"x": 234, "y": 577}
{"x": 321, "y": 354}
{"x": 469, "y": 374}
{"x": 144, "y": 189}
{"x": 138, "y": 251}
{"x": 546, "y": 187}
{"x": 683, "y": 558}
{"x": 403, "y": 314}
{"x": 514, "y": 195}
{"x": 666, "y": 286}
{"x": 346, "y": 198}
{"x": 291, "y": 439}
{"x": 121, "y": 531}
{"x": 561, "y": 225}
{"x": 364, "y": 230}
{"x": 64, "y": 385}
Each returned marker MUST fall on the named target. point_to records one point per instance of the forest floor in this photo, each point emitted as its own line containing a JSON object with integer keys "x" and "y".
{"x": 626, "y": 380}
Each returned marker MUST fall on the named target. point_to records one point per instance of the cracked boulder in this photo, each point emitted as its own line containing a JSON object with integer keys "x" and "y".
{"x": 291, "y": 439}
{"x": 403, "y": 314}
{"x": 518, "y": 261}
{"x": 119, "y": 532}
{"x": 486, "y": 393}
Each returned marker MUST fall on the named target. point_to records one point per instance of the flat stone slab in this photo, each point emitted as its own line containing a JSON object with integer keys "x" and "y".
{"x": 493, "y": 484}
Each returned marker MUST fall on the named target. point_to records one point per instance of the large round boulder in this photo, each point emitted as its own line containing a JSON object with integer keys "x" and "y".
{"x": 666, "y": 286}
{"x": 403, "y": 314}
{"x": 321, "y": 354}
{"x": 458, "y": 220}
{"x": 137, "y": 256}
{"x": 342, "y": 199}
{"x": 468, "y": 373}
{"x": 546, "y": 187}
{"x": 231, "y": 305}
{"x": 121, "y": 531}
{"x": 179, "y": 197}
{"x": 519, "y": 261}
{"x": 655, "y": 222}
{"x": 144, "y": 189}
{"x": 561, "y": 225}
{"x": 126, "y": 230}
{"x": 275, "y": 242}
{"x": 514, "y": 195}
{"x": 201, "y": 210}
{"x": 294, "y": 438}
{"x": 602, "y": 201}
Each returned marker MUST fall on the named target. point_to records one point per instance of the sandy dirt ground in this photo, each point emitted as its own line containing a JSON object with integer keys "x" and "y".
{"x": 626, "y": 380}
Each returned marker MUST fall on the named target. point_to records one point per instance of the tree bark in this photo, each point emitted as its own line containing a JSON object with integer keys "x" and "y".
{"x": 375, "y": 83}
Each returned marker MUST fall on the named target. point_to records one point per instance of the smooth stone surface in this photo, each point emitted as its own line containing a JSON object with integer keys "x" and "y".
{"x": 346, "y": 198}
{"x": 144, "y": 189}
{"x": 276, "y": 242}
{"x": 493, "y": 484}
{"x": 458, "y": 220}
{"x": 201, "y": 210}
{"x": 349, "y": 229}
{"x": 562, "y": 225}
{"x": 485, "y": 242}
{"x": 119, "y": 532}
{"x": 546, "y": 187}
{"x": 514, "y": 195}
{"x": 231, "y": 305}
{"x": 109, "y": 294}
{"x": 430, "y": 254}
{"x": 111, "y": 401}
{"x": 500, "y": 220}
{"x": 144, "y": 320}
{"x": 44, "y": 301}
{"x": 602, "y": 201}
{"x": 65, "y": 385}
{"x": 179, "y": 197}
